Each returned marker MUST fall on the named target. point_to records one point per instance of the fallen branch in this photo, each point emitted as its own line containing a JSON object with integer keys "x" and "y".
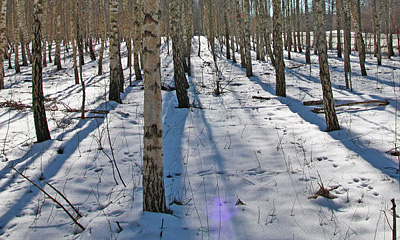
{"x": 312, "y": 103}
{"x": 89, "y": 111}
{"x": 295, "y": 66}
{"x": 379, "y": 103}
{"x": 14, "y": 104}
{"x": 22, "y": 106}
{"x": 261, "y": 98}
{"x": 53, "y": 199}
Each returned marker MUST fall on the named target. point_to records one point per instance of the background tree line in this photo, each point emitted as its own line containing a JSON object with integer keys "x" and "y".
{"x": 236, "y": 24}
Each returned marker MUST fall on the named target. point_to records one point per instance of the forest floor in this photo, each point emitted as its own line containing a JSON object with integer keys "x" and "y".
{"x": 243, "y": 164}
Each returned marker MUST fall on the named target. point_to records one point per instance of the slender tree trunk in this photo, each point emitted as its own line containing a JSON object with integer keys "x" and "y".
{"x": 339, "y": 23}
{"x": 377, "y": 32}
{"x": 359, "y": 37}
{"x": 136, "y": 40}
{"x": 347, "y": 45}
{"x": 73, "y": 30}
{"x": 50, "y": 46}
{"x": 103, "y": 38}
{"x": 330, "y": 41}
{"x": 234, "y": 30}
{"x": 22, "y": 29}
{"x": 179, "y": 73}
{"x": 57, "y": 55}
{"x": 90, "y": 34}
{"x": 211, "y": 28}
{"x": 188, "y": 4}
{"x": 308, "y": 37}
{"x": 226, "y": 22}
{"x": 44, "y": 32}
{"x": 330, "y": 112}
{"x": 298, "y": 26}
{"x": 389, "y": 28}
{"x": 289, "y": 30}
{"x": 201, "y": 23}
{"x": 115, "y": 81}
{"x": 153, "y": 173}
{"x": 278, "y": 50}
{"x": 240, "y": 34}
{"x": 267, "y": 34}
{"x": 16, "y": 41}
{"x": 292, "y": 13}
{"x": 9, "y": 48}
{"x": 3, "y": 40}
{"x": 249, "y": 65}
{"x": 39, "y": 113}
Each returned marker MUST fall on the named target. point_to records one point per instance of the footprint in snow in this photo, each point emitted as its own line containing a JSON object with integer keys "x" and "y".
{"x": 320, "y": 159}
{"x": 364, "y": 183}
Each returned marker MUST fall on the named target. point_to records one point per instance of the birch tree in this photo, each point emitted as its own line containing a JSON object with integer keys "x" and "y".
{"x": 136, "y": 39}
{"x": 278, "y": 50}
{"x": 339, "y": 23}
{"x": 359, "y": 38}
{"x": 247, "y": 47}
{"x": 115, "y": 75}
{"x": 57, "y": 55}
{"x": 332, "y": 122}
{"x": 39, "y": 113}
{"x": 308, "y": 37}
{"x": 153, "y": 173}
{"x": 377, "y": 32}
{"x": 3, "y": 40}
{"x": 179, "y": 73}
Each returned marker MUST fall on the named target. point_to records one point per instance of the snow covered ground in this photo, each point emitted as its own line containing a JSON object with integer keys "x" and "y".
{"x": 236, "y": 167}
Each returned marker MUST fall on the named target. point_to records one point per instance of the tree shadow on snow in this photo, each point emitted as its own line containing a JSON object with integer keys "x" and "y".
{"x": 376, "y": 158}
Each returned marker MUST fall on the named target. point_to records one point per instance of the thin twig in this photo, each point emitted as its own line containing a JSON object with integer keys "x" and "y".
{"x": 69, "y": 203}
{"x": 54, "y": 200}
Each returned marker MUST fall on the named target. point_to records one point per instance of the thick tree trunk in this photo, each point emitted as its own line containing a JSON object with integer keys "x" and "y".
{"x": 278, "y": 50}
{"x": 39, "y": 113}
{"x": 153, "y": 173}
{"x": 330, "y": 112}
